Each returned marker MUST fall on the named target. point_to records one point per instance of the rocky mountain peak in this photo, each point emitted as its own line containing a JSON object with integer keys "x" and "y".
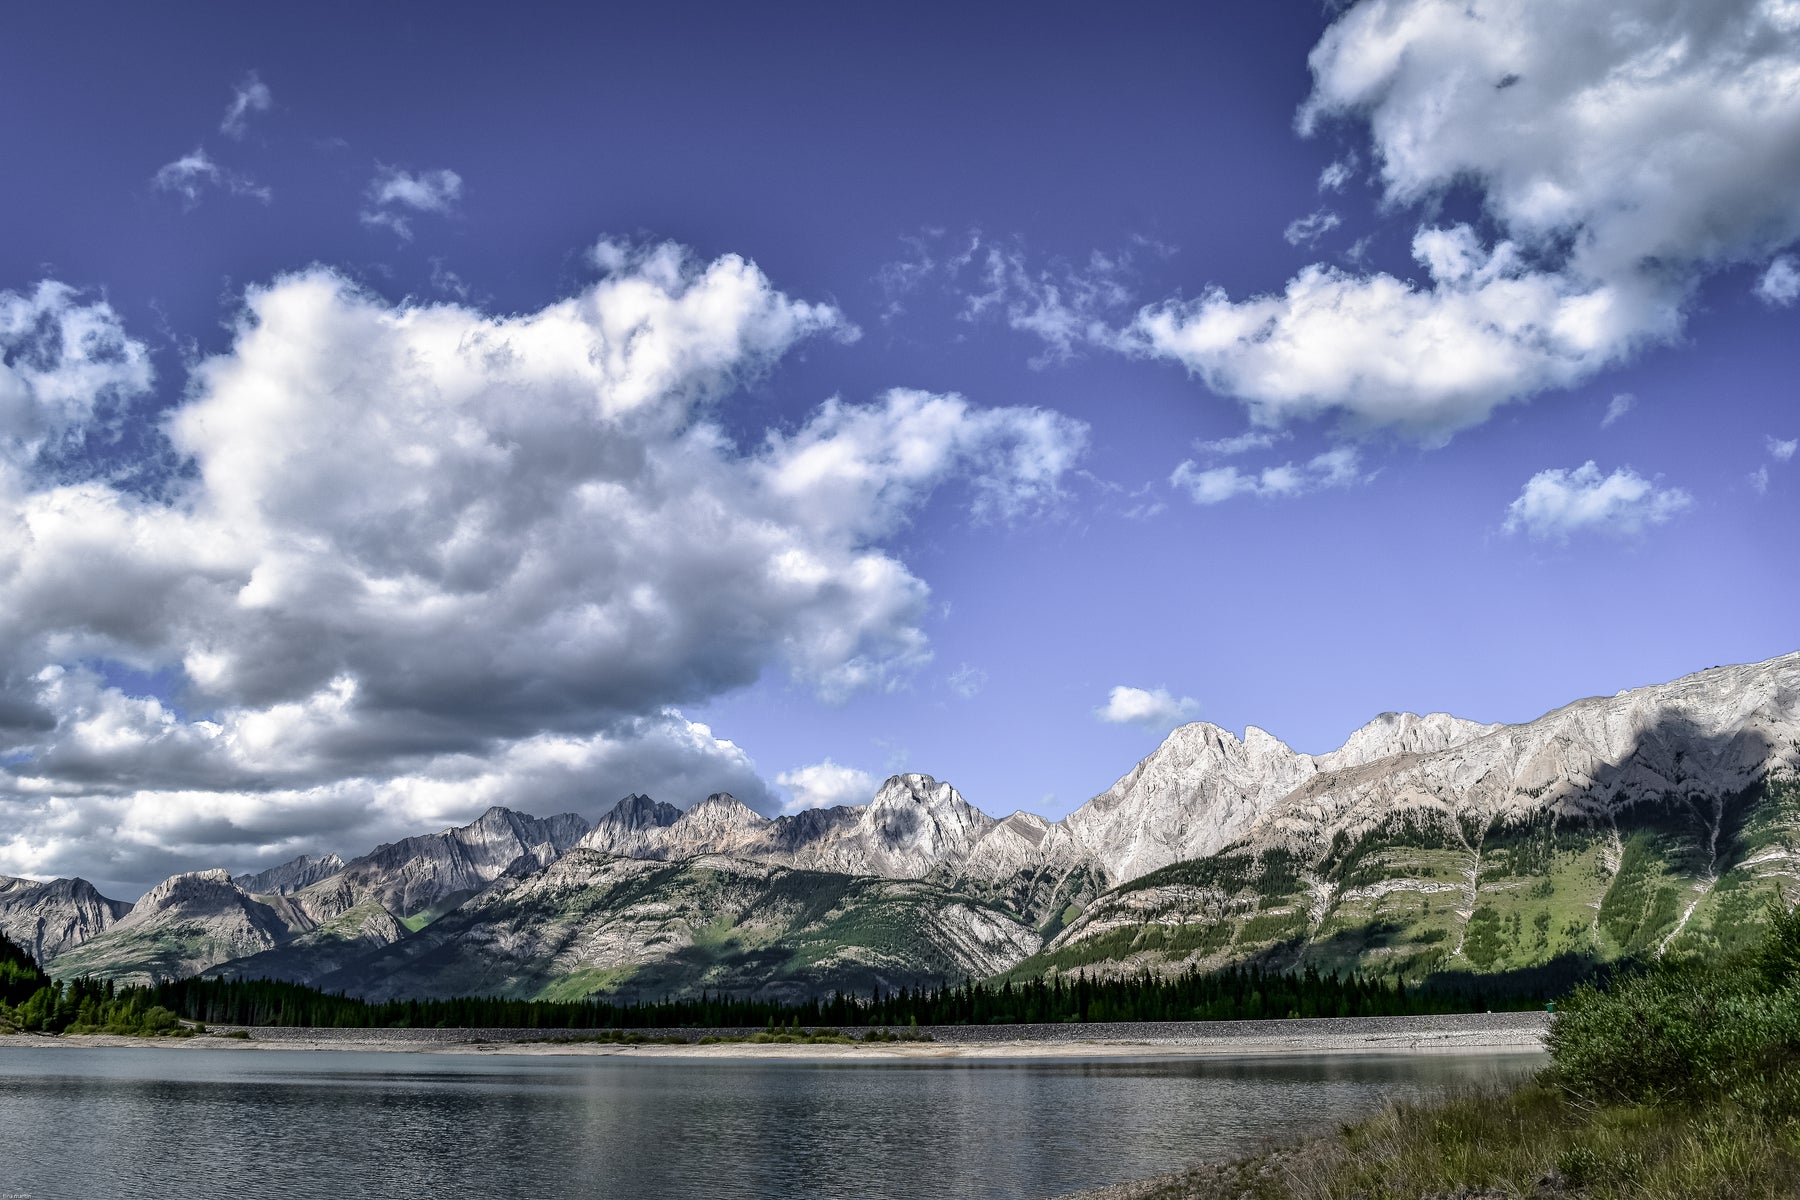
{"x": 435, "y": 870}
{"x": 721, "y": 810}
{"x": 1197, "y": 792}
{"x": 51, "y": 918}
{"x": 916, "y": 823}
{"x": 177, "y": 889}
{"x": 290, "y": 876}
{"x": 1393, "y": 733}
{"x": 630, "y": 827}
{"x": 638, "y": 811}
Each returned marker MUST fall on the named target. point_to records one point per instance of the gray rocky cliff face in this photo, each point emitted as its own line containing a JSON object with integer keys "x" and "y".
{"x": 1199, "y": 791}
{"x": 631, "y": 827}
{"x": 1707, "y": 735}
{"x": 915, "y": 825}
{"x": 436, "y": 870}
{"x": 290, "y": 876}
{"x": 51, "y": 918}
{"x": 183, "y": 926}
{"x": 644, "y": 928}
{"x": 1700, "y": 738}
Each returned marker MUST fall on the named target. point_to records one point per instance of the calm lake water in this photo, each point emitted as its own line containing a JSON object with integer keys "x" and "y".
{"x": 149, "y": 1124}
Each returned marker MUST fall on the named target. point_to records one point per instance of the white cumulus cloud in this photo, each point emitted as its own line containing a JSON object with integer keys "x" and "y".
{"x": 1155, "y": 709}
{"x": 61, "y": 359}
{"x": 825, "y": 785}
{"x": 416, "y": 542}
{"x": 1557, "y": 503}
{"x": 1620, "y": 156}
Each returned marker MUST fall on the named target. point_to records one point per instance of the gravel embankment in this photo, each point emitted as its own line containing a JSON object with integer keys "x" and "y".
{"x": 1458, "y": 1033}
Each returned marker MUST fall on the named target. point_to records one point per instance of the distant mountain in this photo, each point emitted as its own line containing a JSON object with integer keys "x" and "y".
{"x": 1657, "y": 821}
{"x": 1661, "y": 820}
{"x": 47, "y": 919}
{"x": 290, "y": 876}
{"x": 181, "y": 927}
{"x": 643, "y": 928}
{"x": 418, "y": 878}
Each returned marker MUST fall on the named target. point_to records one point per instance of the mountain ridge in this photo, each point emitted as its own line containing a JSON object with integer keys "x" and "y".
{"x": 1380, "y": 854}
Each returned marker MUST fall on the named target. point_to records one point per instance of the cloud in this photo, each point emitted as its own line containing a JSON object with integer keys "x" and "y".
{"x": 1617, "y": 407}
{"x": 1557, "y": 503}
{"x": 1781, "y": 450}
{"x": 395, "y": 195}
{"x": 1338, "y": 173}
{"x": 1619, "y": 161}
{"x": 1780, "y": 284}
{"x": 871, "y": 463}
{"x": 1307, "y": 230}
{"x": 1383, "y": 351}
{"x": 1067, "y": 306}
{"x": 1157, "y": 710}
{"x": 125, "y": 836}
{"x": 413, "y": 541}
{"x": 251, "y": 96}
{"x": 967, "y": 681}
{"x": 1340, "y": 467}
{"x": 826, "y": 785}
{"x": 1243, "y": 443}
{"x": 195, "y": 173}
{"x": 62, "y": 359}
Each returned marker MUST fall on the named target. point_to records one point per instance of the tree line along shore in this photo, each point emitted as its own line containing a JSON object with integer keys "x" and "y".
{"x": 33, "y": 1002}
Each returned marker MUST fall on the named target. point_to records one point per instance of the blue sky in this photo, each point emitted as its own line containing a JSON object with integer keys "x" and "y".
{"x": 1250, "y": 357}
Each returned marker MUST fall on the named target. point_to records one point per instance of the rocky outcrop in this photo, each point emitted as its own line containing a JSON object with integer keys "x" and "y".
{"x": 183, "y": 926}
{"x": 49, "y": 919}
{"x": 431, "y": 873}
{"x": 1662, "y": 820}
{"x": 316, "y": 953}
{"x": 290, "y": 876}
{"x": 1700, "y": 739}
{"x": 915, "y": 825}
{"x": 643, "y": 928}
{"x": 631, "y": 828}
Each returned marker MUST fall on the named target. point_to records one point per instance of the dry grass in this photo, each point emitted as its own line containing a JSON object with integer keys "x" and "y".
{"x": 1532, "y": 1142}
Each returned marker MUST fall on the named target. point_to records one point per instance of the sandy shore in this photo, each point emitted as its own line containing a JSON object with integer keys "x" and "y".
{"x": 1479, "y": 1033}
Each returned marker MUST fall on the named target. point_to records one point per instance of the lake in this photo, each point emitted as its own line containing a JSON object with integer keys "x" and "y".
{"x": 154, "y": 1123}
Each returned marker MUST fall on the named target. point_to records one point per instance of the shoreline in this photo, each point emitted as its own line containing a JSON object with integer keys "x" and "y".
{"x": 1454, "y": 1034}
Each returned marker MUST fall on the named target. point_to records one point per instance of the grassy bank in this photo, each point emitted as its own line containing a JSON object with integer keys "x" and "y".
{"x": 1531, "y": 1142}
{"x": 1680, "y": 1083}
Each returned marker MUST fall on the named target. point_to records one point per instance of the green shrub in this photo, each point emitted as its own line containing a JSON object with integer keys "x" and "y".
{"x": 1690, "y": 1034}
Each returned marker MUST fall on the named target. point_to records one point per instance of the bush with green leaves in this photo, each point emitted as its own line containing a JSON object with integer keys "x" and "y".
{"x": 1690, "y": 1033}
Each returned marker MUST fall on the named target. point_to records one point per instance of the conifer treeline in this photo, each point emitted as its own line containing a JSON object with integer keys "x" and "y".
{"x": 1234, "y": 993}
{"x": 30, "y": 1000}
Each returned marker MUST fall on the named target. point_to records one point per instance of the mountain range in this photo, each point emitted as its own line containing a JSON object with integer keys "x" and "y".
{"x": 1660, "y": 821}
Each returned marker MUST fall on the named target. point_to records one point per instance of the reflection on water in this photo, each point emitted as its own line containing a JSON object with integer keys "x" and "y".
{"x": 148, "y": 1124}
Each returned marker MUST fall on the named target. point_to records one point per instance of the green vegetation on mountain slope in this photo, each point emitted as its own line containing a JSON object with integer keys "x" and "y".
{"x": 640, "y": 929}
{"x": 1539, "y": 902}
